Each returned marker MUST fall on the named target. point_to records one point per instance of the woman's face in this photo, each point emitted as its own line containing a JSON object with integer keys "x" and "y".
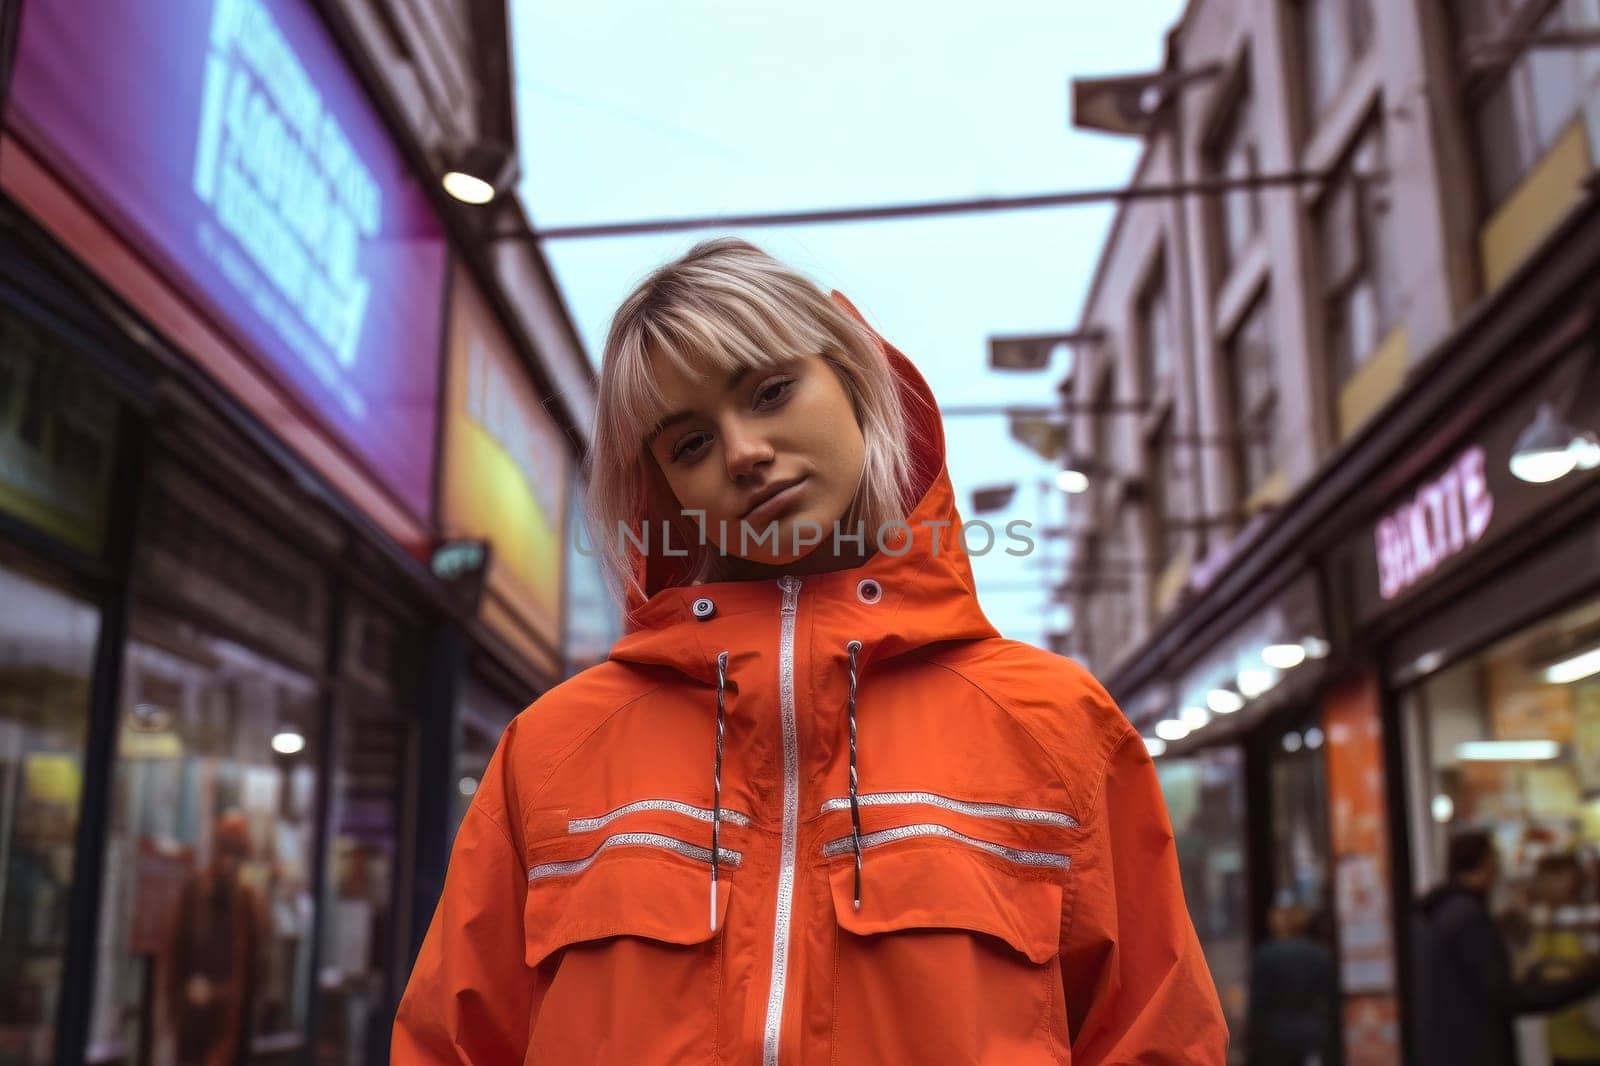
{"x": 763, "y": 451}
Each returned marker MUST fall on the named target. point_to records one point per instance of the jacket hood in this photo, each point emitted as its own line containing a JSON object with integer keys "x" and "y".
{"x": 922, "y": 573}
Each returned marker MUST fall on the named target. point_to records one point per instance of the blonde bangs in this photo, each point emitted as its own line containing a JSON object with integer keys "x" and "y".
{"x": 725, "y": 305}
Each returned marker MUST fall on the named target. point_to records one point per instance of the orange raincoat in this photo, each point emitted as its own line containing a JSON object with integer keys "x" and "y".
{"x": 663, "y": 860}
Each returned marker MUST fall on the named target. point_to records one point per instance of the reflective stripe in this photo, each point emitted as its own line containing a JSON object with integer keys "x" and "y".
{"x": 791, "y": 821}
{"x": 585, "y": 825}
{"x": 652, "y": 840}
{"x": 928, "y": 829}
{"x": 977, "y": 810}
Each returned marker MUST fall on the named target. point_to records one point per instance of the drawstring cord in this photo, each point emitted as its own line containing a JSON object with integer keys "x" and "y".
{"x": 855, "y": 807}
{"x": 716, "y": 787}
{"x": 716, "y": 779}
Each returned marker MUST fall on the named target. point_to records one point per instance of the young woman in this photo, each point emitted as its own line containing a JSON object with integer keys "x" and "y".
{"x": 814, "y": 809}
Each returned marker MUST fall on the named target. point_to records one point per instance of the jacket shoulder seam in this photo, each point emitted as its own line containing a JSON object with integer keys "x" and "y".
{"x": 1050, "y": 754}
{"x": 579, "y": 741}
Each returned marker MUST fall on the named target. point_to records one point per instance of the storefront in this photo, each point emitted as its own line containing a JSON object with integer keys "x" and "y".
{"x": 1239, "y": 733}
{"x": 1477, "y": 592}
{"x": 236, "y": 362}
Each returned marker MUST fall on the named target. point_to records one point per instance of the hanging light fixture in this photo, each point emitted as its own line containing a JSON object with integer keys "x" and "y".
{"x": 1549, "y": 448}
{"x": 479, "y": 172}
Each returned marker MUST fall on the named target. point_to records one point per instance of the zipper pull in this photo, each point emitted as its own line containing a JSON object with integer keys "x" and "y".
{"x": 790, "y": 584}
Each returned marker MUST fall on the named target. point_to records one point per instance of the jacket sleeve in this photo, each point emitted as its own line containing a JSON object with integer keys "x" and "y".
{"x": 1137, "y": 986}
{"x": 470, "y": 996}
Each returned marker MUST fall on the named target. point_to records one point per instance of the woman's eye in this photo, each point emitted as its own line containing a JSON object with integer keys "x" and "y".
{"x": 689, "y": 447}
{"x": 771, "y": 394}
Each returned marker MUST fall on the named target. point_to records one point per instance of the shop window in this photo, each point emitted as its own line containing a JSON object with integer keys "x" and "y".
{"x": 1520, "y": 110}
{"x": 1205, "y": 798}
{"x": 58, "y": 425}
{"x": 206, "y": 913}
{"x": 47, "y": 640}
{"x": 1508, "y": 742}
{"x": 1334, "y": 35}
{"x": 1235, "y": 154}
{"x": 1356, "y": 239}
{"x": 1253, "y": 388}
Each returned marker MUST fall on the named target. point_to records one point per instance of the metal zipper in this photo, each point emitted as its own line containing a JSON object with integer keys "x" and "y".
{"x": 652, "y": 840}
{"x": 586, "y": 825}
{"x": 930, "y": 829}
{"x": 977, "y": 810}
{"x": 791, "y": 820}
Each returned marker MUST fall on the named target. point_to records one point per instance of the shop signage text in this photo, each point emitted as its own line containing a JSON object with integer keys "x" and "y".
{"x": 1445, "y": 516}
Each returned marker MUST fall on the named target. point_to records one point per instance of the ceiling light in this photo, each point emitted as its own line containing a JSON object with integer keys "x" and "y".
{"x": 1224, "y": 700}
{"x": 1573, "y": 669}
{"x": 1283, "y": 656}
{"x": 1507, "y": 750}
{"x": 1155, "y": 746}
{"x": 1253, "y": 681}
{"x": 1314, "y": 738}
{"x": 1170, "y": 729}
{"x": 480, "y": 172}
{"x": 1292, "y": 742}
{"x": 467, "y": 785}
{"x": 1316, "y": 647}
{"x": 1074, "y": 482}
{"x": 1444, "y": 808}
{"x": 1194, "y": 717}
{"x": 288, "y": 742}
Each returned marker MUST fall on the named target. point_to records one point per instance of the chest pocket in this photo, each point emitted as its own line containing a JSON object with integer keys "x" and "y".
{"x": 630, "y": 967}
{"x": 954, "y": 954}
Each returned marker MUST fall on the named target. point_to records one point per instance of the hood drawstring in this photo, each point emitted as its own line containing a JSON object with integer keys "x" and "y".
{"x": 716, "y": 786}
{"x": 855, "y": 807}
{"x": 716, "y": 778}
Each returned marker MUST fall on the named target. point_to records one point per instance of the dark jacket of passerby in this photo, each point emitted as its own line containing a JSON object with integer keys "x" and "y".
{"x": 1466, "y": 995}
{"x": 1294, "y": 995}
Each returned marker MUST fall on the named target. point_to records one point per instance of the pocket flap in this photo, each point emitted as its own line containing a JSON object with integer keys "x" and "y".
{"x": 937, "y": 885}
{"x": 625, "y": 891}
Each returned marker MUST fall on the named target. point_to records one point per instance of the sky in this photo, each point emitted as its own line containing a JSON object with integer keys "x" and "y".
{"x": 633, "y": 110}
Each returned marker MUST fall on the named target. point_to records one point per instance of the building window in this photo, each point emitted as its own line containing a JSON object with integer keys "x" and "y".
{"x": 1254, "y": 390}
{"x": 1157, "y": 338}
{"x": 1334, "y": 35}
{"x": 1235, "y": 154}
{"x": 1356, "y": 241}
{"x": 1518, "y": 111}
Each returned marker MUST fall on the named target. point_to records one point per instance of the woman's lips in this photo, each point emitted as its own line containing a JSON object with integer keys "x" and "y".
{"x": 775, "y": 506}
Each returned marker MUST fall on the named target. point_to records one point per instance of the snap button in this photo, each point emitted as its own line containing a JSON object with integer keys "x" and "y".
{"x": 704, "y": 608}
{"x": 869, "y": 591}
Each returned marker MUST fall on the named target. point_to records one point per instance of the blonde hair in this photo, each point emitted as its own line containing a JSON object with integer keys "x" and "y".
{"x": 723, "y": 305}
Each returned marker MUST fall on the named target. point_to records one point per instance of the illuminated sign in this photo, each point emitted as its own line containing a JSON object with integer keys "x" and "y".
{"x": 1446, "y": 515}
{"x": 228, "y": 142}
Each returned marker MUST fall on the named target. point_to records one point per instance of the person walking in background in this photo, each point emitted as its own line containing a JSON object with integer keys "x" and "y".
{"x": 1465, "y": 993}
{"x": 1294, "y": 994}
{"x": 214, "y": 953}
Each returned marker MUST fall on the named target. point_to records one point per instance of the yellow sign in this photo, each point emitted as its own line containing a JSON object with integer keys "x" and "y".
{"x": 506, "y": 471}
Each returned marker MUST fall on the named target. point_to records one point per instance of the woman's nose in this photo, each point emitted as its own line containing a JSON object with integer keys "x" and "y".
{"x": 744, "y": 450}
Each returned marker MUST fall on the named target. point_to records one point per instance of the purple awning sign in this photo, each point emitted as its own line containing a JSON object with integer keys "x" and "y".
{"x": 229, "y": 142}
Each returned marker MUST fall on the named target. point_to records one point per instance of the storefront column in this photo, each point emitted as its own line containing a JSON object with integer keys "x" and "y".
{"x": 436, "y": 741}
{"x": 105, "y": 708}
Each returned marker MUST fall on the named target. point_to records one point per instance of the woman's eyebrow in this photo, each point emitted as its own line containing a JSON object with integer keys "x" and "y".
{"x": 667, "y": 421}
